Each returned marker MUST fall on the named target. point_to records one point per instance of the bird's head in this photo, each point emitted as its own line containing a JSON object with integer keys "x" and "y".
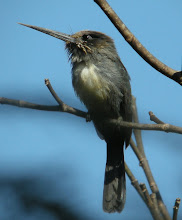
{"x": 82, "y": 44}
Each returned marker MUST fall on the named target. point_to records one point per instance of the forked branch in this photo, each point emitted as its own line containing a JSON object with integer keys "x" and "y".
{"x": 62, "y": 107}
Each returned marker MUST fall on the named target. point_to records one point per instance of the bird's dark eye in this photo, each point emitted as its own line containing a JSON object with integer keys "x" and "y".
{"x": 86, "y": 37}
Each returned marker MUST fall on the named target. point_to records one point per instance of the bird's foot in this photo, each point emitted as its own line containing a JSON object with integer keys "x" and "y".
{"x": 88, "y": 117}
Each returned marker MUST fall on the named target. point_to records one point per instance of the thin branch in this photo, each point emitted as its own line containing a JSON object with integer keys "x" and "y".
{"x": 149, "y": 202}
{"x": 136, "y": 45}
{"x": 137, "y": 133}
{"x": 134, "y": 182}
{"x": 62, "y": 107}
{"x": 176, "y": 208}
{"x": 24, "y": 104}
{"x": 56, "y": 97}
{"x": 55, "y": 108}
{"x": 139, "y": 151}
{"x": 65, "y": 107}
{"x": 143, "y": 194}
{"x": 155, "y": 119}
{"x": 154, "y": 200}
{"x": 164, "y": 211}
{"x": 77, "y": 112}
{"x": 144, "y": 164}
{"x": 155, "y": 127}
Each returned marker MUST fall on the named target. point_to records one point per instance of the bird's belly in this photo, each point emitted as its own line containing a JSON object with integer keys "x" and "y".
{"x": 91, "y": 88}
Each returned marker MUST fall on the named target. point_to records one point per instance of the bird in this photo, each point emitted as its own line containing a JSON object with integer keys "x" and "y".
{"x": 102, "y": 83}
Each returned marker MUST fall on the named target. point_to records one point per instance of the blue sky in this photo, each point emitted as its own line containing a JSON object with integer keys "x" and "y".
{"x": 59, "y": 154}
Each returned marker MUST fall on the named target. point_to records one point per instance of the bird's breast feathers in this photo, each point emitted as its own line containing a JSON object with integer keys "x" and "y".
{"x": 90, "y": 86}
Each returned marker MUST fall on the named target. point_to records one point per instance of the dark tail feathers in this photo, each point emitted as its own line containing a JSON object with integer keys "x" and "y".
{"x": 114, "y": 194}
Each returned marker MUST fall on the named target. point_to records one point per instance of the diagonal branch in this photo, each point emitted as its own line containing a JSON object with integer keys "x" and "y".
{"x": 140, "y": 153}
{"x": 64, "y": 107}
{"x": 149, "y": 202}
{"x": 134, "y": 182}
{"x": 143, "y": 194}
{"x": 155, "y": 119}
{"x": 155, "y": 204}
{"x": 136, "y": 45}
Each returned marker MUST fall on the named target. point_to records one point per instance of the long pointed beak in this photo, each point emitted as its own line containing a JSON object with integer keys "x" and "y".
{"x": 56, "y": 34}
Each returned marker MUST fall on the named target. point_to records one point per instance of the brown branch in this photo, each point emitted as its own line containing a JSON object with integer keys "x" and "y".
{"x": 24, "y": 104}
{"x": 139, "y": 151}
{"x": 64, "y": 107}
{"x": 55, "y": 108}
{"x": 144, "y": 163}
{"x": 154, "y": 127}
{"x": 137, "y": 133}
{"x": 56, "y": 97}
{"x": 136, "y": 45}
{"x": 154, "y": 200}
{"x": 155, "y": 119}
{"x": 143, "y": 193}
{"x": 68, "y": 109}
{"x": 134, "y": 182}
{"x": 149, "y": 202}
{"x": 176, "y": 208}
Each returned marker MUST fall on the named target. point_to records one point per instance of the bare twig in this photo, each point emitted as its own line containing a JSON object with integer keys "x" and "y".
{"x": 139, "y": 151}
{"x": 77, "y": 112}
{"x": 56, "y": 97}
{"x": 149, "y": 202}
{"x": 137, "y": 133}
{"x": 155, "y": 119}
{"x": 134, "y": 182}
{"x": 142, "y": 191}
{"x": 24, "y": 104}
{"x": 176, "y": 208}
{"x": 64, "y": 107}
{"x": 136, "y": 45}
{"x": 144, "y": 163}
{"x": 156, "y": 127}
{"x": 155, "y": 204}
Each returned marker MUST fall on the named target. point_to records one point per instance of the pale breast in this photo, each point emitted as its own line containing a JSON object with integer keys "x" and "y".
{"x": 90, "y": 87}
